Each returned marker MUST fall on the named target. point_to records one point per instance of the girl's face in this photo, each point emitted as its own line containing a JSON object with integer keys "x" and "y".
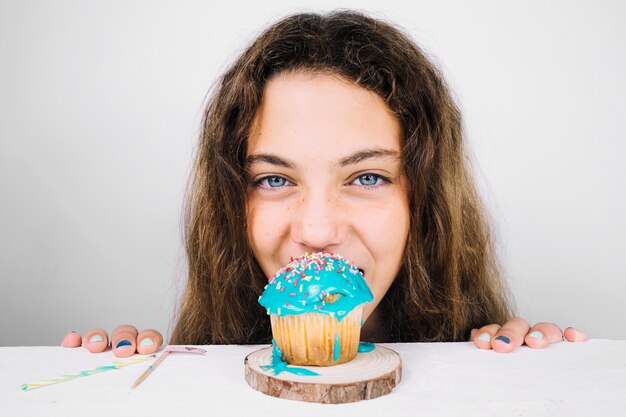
{"x": 325, "y": 174}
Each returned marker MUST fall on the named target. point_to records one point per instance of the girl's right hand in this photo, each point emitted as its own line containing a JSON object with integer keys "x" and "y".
{"x": 125, "y": 341}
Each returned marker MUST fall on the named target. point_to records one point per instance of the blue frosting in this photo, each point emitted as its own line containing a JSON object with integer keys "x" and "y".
{"x": 305, "y": 284}
{"x": 278, "y": 365}
{"x": 365, "y": 347}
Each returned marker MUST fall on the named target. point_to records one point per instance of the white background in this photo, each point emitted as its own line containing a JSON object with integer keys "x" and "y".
{"x": 100, "y": 107}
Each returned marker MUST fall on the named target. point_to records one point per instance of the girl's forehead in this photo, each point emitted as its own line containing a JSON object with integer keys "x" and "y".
{"x": 302, "y": 113}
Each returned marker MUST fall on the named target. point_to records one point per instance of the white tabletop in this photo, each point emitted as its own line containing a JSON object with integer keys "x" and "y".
{"x": 438, "y": 379}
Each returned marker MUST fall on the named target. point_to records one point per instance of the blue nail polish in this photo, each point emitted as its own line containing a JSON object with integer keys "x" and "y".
{"x": 504, "y": 339}
{"x": 146, "y": 342}
{"x": 485, "y": 337}
{"x": 123, "y": 343}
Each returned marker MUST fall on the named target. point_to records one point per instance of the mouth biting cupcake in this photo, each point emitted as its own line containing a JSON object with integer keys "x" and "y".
{"x": 315, "y": 304}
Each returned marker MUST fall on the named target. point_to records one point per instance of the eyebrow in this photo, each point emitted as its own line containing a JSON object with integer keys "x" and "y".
{"x": 348, "y": 160}
{"x": 369, "y": 154}
{"x": 268, "y": 159}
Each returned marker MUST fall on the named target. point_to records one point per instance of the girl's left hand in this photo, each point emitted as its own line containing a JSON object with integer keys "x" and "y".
{"x": 517, "y": 331}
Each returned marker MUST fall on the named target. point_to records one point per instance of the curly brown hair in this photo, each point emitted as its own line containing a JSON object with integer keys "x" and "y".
{"x": 449, "y": 281}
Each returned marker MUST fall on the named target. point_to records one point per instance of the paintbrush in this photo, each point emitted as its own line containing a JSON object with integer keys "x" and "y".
{"x": 166, "y": 352}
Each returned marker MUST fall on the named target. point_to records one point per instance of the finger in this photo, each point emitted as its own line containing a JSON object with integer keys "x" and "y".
{"x": 149, "y": 341}
{"x": 96, "y": 340}
{"x": 71, "y": 340}
{"x": 483, "y": 336}
{"x": 573, "y": 335}
{"x": 124, "y": 340}
{"x": 510, "y": 336}
{"x": 542, "y": 334}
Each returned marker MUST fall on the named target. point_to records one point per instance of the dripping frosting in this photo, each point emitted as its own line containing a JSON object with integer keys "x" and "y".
{"x": 321, "y": 282}
{"x": 365, "y": 347}
{"x": 278, "y": 365}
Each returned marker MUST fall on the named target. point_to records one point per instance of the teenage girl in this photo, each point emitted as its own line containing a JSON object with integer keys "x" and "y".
{"x": 335, "y": 132}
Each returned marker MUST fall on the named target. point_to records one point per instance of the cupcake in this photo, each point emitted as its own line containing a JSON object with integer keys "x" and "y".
{"x": 315, "y": 304}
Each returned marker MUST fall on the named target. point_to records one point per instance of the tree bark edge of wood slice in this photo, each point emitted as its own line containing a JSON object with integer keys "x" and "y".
{"x": 386, "y": 374}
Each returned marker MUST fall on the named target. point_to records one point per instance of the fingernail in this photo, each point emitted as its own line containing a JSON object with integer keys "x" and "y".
{"x": 578, "y": 336}
{"x": 504, "y": 339}
{"x": 123, "y": 343}
{"x": 73, "y": 331}
{"x": 146, "y": 342}
{"x": 96, "y": 338}
{"x": 536, "y": 334}
{"x": 485, "y": 337}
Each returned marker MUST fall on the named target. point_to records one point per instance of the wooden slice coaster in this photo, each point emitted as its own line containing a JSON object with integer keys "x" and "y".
{"x": 369, "y": 375}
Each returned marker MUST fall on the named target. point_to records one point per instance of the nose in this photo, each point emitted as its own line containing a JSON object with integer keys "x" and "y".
{"x": 319, "y": 223}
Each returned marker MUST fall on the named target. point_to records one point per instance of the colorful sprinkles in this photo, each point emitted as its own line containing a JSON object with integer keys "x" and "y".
{"x": 312, "y": 280}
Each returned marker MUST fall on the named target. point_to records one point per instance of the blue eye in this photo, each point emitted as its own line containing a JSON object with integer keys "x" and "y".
{"x": 273, "y": 181}
{"x": 370, "y": 180}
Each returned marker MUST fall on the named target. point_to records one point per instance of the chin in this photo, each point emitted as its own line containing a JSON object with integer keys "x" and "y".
{"x": 368, "y": 309}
